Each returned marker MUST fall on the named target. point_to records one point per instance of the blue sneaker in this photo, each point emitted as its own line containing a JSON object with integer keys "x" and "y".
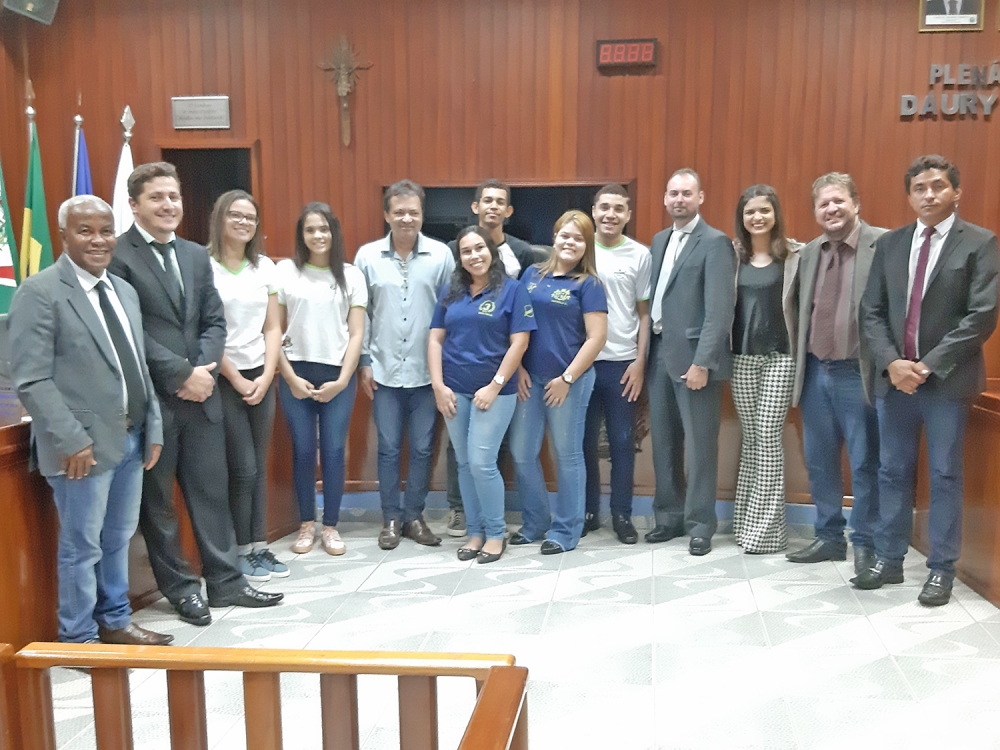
{"x": 270, "y": 563}
{"x": 252, "y": 570}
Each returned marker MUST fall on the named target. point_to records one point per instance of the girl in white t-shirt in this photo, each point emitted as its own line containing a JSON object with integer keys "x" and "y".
{"x": 323, "y": 300}
{"x": 246, "y": 282}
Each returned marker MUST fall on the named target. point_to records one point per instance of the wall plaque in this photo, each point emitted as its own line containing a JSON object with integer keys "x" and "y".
{"x": 200, "y": 112}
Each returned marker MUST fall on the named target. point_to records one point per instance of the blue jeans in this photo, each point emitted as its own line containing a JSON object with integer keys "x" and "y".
{"x": 834, "y": 412}
{"x": 412, "y": 410}
{"x": 476, "y": 435}
{"x": 334, "y": 419}
{"x": 900, "y": 418}
{"x": 618, "y": 413}
{"x": 97, "y": 517}
{"x": 566, "y": 425}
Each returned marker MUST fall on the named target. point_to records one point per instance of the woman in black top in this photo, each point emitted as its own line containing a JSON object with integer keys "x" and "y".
{"x": 763, "y": 367}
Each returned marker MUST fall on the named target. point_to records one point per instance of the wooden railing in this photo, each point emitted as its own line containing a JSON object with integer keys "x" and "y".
{"x": 10, "y": 738}
{"x": 498, "y": 722}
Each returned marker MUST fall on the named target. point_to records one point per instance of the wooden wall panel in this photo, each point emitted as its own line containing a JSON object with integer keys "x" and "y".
{"x": 461, "y": 90}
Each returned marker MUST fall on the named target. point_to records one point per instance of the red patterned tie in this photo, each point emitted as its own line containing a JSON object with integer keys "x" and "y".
{"x": 916, "y": 298}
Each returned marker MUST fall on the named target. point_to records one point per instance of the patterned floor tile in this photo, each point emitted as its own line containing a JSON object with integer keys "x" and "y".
{"x": 834, "y": 721}
{"x": 582, "y": 585}
{"x": 951, "y": 681}
{"x": 590, "y": 717}
{"x": 484, "y": 582}
{"x": 939, "y": 639}
{"x": 708, "y": 627}
{"x": 465, "y": 615}
{"x": 812, "y": 598}
{"x": 777, "y": 568}
{"x": 901, "y": 601}
{"x": 621, "y": 560}
{"x": 848, "y": 634}
{"x": 704, "y": 593}
{"x": 408, "y": 580}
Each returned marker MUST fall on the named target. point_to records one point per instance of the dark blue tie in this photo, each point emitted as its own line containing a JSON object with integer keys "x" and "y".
{"x": 130, "y": 367}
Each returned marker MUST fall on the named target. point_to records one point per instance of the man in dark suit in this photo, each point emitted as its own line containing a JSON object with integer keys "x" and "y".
{"x": 78, "y": 361}
{"x": 185, "y": 329}
{"x": 833, "y": 373}
{"x": 930, "y": 305}
{"x": 951, "y": 7}
{"x": 694, "y": 272}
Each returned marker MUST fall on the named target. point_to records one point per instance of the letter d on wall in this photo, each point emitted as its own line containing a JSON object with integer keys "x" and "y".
{"x": 907, "y": 105}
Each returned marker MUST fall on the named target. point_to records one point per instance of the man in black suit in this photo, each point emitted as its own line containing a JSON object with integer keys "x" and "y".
{"x": 185, "y": 331}
{"x": 951, "y": 7}
{"x": 691, "y": 315}
{"x": 930, "y": 305}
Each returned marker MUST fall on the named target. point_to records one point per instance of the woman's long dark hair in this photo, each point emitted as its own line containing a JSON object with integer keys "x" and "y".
{"x": 461, "y": 280}
{"x": 337, "y": 255}
{"x": 216, "y": 227}
{"x": 779, "y": 242}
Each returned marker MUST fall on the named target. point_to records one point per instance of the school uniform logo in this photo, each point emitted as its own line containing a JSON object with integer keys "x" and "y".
{"x": 529, "y": 311}
{"x": 531, "y": 286}
{"x": 487, "y": 308}
{"x": 561, "y": 296}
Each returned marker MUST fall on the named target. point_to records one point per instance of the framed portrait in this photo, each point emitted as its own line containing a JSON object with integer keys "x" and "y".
{"x": 951, "y": 15}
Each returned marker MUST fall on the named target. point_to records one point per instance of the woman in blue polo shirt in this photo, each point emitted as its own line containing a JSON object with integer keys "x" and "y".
{"x": 555, "y": 381}
{"x": 479, "y": 332}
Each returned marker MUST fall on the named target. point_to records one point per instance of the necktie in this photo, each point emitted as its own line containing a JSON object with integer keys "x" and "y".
{"x": 166, "y": 249}
{"x": 916, "y": 298}
{"x": 130, "y": 367}
{"x": 953, "y": 7}
{"x": 824, "y": 333}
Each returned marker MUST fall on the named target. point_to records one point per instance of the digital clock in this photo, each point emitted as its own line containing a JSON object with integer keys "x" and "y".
{"x": 626, "y": 53}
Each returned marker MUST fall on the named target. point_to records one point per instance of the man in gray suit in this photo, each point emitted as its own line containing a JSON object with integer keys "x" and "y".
{"x": 694, "y": 272}
{"x": 833, "y": 373}
{"x": 930, "y": 305}
{"x": 79, "y": 364}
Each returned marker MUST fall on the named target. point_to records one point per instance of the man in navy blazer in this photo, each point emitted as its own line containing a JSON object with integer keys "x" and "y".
{"x": 930, "y": 305}
{"x": 78, "y": 360}
{"x": 185, "y": 330}
{"x": 691, "y": 319}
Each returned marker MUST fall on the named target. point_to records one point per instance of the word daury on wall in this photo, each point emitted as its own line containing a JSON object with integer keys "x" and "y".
{"x": 961, "y": 103}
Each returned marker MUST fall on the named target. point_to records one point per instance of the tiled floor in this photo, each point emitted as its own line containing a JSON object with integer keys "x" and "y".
{"x": 628, "y": 647}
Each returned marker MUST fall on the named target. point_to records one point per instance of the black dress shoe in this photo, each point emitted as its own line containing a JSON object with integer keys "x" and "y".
{"x": 879, "y": 574}
{"x": 518, "y": 538}
{"x": 193, "y": 610}
{"x": 663, "y": 533}
{"x": 248, "y": 597}
{"x": 818, "y": 551}
{"x": 864, "y": 558}
{"x": 488, "y": 557}
{"x": 591, "y": 522}
{"x": 390, "y": 535}
{"x": 936, "y": 591}
{"x": 133, "y": 635}
{"x": 551, "y": 548}
{"x": 420, "y": 532}
{"x": 700, "y": 545}
{"x": 623, "y": 527}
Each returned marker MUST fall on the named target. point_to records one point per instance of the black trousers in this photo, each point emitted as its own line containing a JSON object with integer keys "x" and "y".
{"x": 194, "y": 451}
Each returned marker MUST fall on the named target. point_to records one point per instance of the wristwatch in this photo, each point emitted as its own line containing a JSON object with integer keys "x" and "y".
{"x": 568, "y": 377}
{"x": 499, "y": 379}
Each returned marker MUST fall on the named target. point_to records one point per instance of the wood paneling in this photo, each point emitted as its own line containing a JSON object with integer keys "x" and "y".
{"x": 461, "y": 90}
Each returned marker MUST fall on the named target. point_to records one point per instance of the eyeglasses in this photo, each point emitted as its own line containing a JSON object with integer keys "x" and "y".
{"x": 238, "y": 218}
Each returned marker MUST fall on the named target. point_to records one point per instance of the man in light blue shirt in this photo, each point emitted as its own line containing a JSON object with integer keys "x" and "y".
{"x": 405, "y": 272}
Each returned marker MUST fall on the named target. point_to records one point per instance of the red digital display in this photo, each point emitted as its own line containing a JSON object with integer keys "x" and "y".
{"x": 626, "y": 53}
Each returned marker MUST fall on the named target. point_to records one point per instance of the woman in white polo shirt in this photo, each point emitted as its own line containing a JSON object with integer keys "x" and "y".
{"x": 246, "y": 282}
{"x": 323, "y": 300}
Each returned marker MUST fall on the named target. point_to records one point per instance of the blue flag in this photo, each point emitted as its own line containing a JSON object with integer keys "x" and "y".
{"x": 83, "y": 184}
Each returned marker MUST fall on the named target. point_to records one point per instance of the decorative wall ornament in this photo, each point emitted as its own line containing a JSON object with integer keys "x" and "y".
{"x": 343, "y": 66}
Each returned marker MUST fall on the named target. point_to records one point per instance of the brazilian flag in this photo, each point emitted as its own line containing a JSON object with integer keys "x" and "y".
{"x": 36, "y": 245}
{"x": 8, "y": 252}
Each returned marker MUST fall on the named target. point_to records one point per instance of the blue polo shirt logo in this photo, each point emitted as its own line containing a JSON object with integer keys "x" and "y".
{"x": 529, "y": 311}
{"x": 561, "y": 296}
{"x": 487, "y": 308}
{"x": 531, "y": 287}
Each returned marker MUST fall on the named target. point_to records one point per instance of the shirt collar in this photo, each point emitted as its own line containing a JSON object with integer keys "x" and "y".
{"x": 150, "y": 239}
{"x": 850, "y": 240}
{"x": 418, "y": 247}
{"x": 942, "y": 227}
{"x": 689, "y": 227}
{"x": 87, "y": 280}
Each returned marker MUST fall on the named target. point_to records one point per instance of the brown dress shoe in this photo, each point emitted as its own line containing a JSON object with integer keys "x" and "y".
{"x": 133, "y": 635}
{"x": 419, "y": 532}
{"x": 390, "y": 535}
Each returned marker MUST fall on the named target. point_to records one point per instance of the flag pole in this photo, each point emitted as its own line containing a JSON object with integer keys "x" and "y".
{"x": 29, "y": 95}
{"x": 78, "y": 121}
{"x": 128, "y": 122}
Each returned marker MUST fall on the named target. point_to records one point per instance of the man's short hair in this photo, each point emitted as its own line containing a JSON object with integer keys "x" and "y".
{"x": 612, "y": 188}
{"x": 836, "y": 179}
{"x": 932, "y": 161}
{"x": 402, "y": 189}
{"x": 686, "y": 171}
{"x": 492, "y": 184}
{"x": 147, "y": 172}
{"x": 81, "y": 200}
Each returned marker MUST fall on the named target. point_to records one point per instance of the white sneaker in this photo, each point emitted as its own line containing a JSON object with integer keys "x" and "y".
{"x": 332, "y": 543}
{"x": 306, "y": 538}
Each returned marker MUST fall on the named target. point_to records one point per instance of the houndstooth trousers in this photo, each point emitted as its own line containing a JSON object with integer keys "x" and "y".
{"x": 762, "y": 390}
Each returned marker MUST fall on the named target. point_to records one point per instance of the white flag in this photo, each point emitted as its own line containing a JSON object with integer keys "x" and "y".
{"x": 119, "y": 201}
